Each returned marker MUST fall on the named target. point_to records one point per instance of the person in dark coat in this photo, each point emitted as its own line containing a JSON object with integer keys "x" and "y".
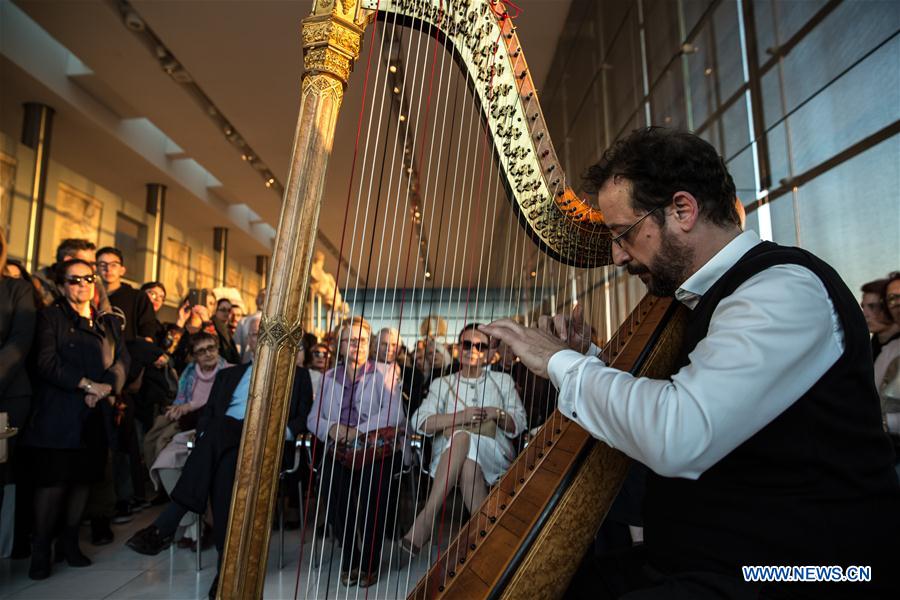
{"x": 139, "y": 330}
{"x": 210, "y": 469}
{"x": 80, "y": 365}
{"x": 17, "y": 318}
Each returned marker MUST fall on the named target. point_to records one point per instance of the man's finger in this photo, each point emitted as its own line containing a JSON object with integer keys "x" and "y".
{"x": 561, "y": 327}
{"x": 545, "y": 324}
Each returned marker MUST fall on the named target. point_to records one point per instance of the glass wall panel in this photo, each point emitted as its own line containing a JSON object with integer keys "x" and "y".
{"x": 624, "y": 76}
{"x": 662, "y": 37}
{"x": 692, "y": 11}
{"x": 842, "y": 38}
{"x": 784, "y": 229}
{"x": 667, "y": 99}
{"x": 858, "y": 104}
{"x": 849, "y": 215}
{"x": 727, "y": 39}
{"x": 777, "y": 21}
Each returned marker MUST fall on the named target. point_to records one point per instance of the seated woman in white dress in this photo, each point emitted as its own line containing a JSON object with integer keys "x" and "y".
{"x": 474, "y": 415}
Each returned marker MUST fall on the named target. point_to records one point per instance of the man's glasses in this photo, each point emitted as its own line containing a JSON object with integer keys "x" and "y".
{"x": 205, "y": 350}
{"x": 619, "y": 238}
{"x": 106, "y": 265}
{"x": 470, "y": 345}
{"x": 77, "y": 279}
{"x": 320, "y": 353}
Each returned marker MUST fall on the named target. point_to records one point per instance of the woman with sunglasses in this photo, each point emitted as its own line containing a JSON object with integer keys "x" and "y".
{"x": 80, "y": 364}
{"x": 473, "y": 416}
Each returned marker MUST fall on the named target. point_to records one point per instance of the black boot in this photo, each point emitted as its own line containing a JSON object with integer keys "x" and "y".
{"x": 67, "y": 546}
{"x": 40, "y": 560}
{"x": 101, "y": 534}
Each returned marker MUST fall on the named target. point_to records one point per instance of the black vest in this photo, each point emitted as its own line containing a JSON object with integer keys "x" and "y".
{"x": 815, "y": 486}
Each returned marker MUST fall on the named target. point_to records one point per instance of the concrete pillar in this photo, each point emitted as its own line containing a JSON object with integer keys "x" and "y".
{"x": 156, "y": 206}
{"x": 37, "y": 127}
{"x": 220, "y": 245}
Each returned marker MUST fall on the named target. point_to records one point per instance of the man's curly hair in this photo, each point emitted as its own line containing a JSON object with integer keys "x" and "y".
{"x": 659, "y": 162}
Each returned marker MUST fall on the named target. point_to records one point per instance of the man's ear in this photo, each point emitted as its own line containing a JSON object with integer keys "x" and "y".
{"x": 686, "y": 210}
{"x": 124, "y": 270}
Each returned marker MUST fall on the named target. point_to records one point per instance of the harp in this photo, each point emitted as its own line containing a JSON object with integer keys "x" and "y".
{"x": 529, "y": 534}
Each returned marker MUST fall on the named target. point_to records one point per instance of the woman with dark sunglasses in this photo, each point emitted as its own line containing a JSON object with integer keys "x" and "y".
{"x": 473, "y": 416}
{"x": 80, "y": 364}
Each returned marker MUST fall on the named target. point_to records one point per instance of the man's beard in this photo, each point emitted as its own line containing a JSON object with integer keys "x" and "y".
{"x": 667, "y": 271}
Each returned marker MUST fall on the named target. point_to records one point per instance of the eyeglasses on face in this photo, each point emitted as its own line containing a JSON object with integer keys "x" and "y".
{"x": 622, "y": 237}
{"x": 77, "y": 279}
{"x": 892, "y": 300}
{"x": 156, "y": 295}
{"x": 320, "y": 353}
{"x": 106, "y": 265}
{"x": 470, "y": 345}
{"x": 205, "y": 350}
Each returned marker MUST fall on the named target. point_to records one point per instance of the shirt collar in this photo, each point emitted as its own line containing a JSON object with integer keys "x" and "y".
{"x": 699, "y": 283}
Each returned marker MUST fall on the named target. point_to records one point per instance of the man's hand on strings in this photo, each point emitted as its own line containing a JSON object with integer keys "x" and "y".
{"x": 534, "y": 347}
{"x": 572, "y": 330}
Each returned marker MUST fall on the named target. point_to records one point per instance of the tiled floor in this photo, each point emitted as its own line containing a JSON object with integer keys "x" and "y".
{"x": 119, "y": 573}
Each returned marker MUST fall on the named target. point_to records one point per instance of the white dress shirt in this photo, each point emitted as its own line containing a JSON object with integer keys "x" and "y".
{"x": 767, "y": 344}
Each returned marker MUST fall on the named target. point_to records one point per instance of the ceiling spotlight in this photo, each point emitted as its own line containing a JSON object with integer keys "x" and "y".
{"x": 270, "y": 181}
{"x": 534, "y": 274}
{"x": 227, "y": 129}
{"x": 708, "y": 71}
{"x": 427, "y": 274}
{"x": 247, "y": 157}
{"x": 396, "y": 90}
{"x": 417, "y": 214}
{"x": 392, "y": 69}
{"x": 133, "y": 21}
{"x": 402, "y": 118}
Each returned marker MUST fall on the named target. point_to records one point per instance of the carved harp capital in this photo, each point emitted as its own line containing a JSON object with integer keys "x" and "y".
{"x": 332, "y": 36}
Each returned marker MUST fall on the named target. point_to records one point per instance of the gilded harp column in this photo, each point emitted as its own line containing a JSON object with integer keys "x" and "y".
{"x": 331, "y": 41}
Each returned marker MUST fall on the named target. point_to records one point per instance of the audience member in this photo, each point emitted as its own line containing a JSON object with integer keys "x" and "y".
{"x": 887, "y": 365}
{"x": 387, "y": 346}
{"x": 139, "y": 330}
{"x": 234, "y": 318}
{"x": 208, "y": 472}
{"x": 537, "y": 393}
{"x": 240, "y": 334}
{"x": 193, "y": 391}
{"x": 17, "y": 319}
{"x": 68, "y": 249}
{"x": 358, "y": 396}
{"x": 165, "y": 446}
{"x": 156, "y": 293}
{"x": 80, "y": 365}
{"x": 878, "y": 318}
{"x": 227, "y": 347}
{"x": 474, "y": 415}
{"x": 16, "y": 270}
{"x": 433, "y": 359}
{"x": 319, "y": 361}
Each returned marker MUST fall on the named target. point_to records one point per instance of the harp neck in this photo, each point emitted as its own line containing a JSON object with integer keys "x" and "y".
{"x": 483, "y": 39}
